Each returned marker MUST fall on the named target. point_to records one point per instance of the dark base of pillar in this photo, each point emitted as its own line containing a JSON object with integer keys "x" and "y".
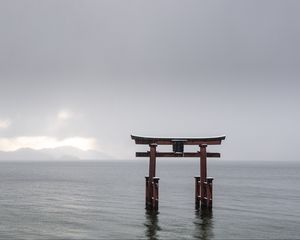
{"x": 206, "y": 204}
{"x": 203, "y": 194}
{"x": 150, "y": 207}
{"x": 203, "y": 204}
{"x": 152, "y": 193}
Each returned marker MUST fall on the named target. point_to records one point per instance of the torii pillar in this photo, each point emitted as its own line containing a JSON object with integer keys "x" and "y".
{"x": 203, "y": 184}
{"x": 152, "y": 181}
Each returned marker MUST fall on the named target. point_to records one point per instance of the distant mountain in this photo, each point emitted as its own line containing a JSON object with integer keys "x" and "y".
{"x": 60, "y": 153}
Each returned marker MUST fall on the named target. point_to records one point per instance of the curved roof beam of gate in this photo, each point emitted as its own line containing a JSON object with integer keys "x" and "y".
{"x": 215, "y": 140}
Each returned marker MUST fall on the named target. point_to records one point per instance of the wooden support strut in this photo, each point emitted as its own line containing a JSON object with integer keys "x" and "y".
{"x": 197, "y": 192}
{"x": 209, "y": 191}
{"x": 203, "y": 173}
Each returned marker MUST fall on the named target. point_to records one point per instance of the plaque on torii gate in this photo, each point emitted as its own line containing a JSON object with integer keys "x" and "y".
{"x": 203, "y": 184}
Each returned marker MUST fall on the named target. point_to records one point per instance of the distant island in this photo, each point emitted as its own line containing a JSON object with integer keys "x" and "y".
{"x": 48, "y": 154}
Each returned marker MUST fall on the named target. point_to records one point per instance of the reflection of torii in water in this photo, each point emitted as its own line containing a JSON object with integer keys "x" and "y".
{"x": 203, "y": 184}
{"x": 151, "y": 225}
{"x": 203, "y": 224}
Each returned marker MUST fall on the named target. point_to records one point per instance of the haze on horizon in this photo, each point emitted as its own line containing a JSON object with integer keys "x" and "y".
{"x": 88, "y": 74}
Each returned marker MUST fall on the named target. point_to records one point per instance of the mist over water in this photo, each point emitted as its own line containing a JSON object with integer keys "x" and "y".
{"x": 105, "y": 200}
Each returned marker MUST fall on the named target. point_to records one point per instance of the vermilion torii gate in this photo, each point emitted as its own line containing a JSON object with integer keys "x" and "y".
{"x": 203, "y": 184}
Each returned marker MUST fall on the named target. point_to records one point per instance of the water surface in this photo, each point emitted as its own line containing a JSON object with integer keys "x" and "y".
{"x": 105, "y": 200}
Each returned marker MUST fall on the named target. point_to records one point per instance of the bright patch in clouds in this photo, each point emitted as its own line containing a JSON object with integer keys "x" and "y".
{"x": 64, "y": 115}
{"x": 4, "y": 123}
{"x": 40, "y": 142}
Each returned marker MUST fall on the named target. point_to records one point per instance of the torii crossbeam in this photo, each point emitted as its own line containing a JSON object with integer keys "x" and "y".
{"x": 203, "y": 184}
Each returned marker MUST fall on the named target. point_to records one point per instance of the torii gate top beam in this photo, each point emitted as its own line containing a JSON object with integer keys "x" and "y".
{"x": 186, "y": 141}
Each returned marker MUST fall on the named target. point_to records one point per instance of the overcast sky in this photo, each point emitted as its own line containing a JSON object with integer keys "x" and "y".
{"x": 90, "y": 73}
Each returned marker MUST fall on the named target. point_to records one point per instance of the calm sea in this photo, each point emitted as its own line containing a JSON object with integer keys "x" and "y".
{"x": 105, "y": 200}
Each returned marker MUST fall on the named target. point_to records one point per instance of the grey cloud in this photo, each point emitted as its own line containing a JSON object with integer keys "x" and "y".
{"x": 155, "y": 68}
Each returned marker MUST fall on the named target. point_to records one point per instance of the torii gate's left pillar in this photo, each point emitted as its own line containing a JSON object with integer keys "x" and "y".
{"x": 152, "y": 181}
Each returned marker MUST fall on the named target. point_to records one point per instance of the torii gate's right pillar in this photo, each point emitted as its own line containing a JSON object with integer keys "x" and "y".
{"x": 203, "y": 184}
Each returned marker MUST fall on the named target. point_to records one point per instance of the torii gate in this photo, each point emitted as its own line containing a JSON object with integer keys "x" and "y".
{"x": 203, "y": 184}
